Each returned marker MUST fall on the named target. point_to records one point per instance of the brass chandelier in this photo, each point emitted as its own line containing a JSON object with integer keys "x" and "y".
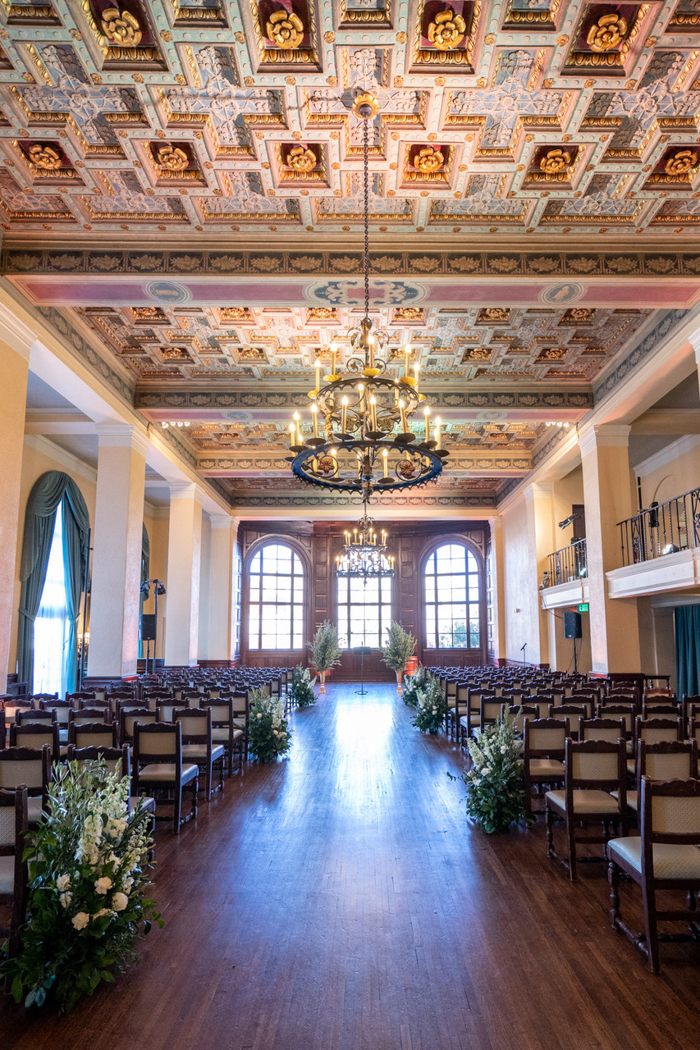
{"x": 365, "y": 554}
{"x": 362, "y": 439}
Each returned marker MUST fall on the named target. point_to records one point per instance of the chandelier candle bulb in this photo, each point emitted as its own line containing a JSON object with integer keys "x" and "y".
{"x": 373, "y": 412}
{"x": 385, "y": 456}
{"x": 292, "y": 432}
{"x": 407, "y": 352}
{"x": 437, "y": 432}
{"x": 402, "y": 409}
{"x": 317, "y": 366}
{"x": 416, "y": 370}
{"x": 314, "y": 416}
{"x": 298, "y": 427}
{"x": 334, "y": 354}
{"x": 344, "y": 420}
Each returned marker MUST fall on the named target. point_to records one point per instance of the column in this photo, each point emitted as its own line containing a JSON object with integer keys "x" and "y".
{"x": 540, "y": 530}
{"x": 215, "y": 630}
{"x": 15, "y": 344}
{"x": 184, "y": 563}
{"x": 116, "y": 559}
{"x": 498, "y": 590}
{"x": 607, "y": 494}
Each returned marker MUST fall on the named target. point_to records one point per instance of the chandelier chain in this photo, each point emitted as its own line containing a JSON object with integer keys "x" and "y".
{"x": 366, "y": 203}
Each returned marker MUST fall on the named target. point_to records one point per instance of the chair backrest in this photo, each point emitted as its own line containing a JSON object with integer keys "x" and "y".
{"x": 166, "y": 708}
{"x": 598, "y": 764}
{"x": 36, "y": 735}
{"x": 694, "y": 729}
{"x": 89, "y": 714}
{"x": 490, "y": 712}
{"x": 128, "y": 721}
{"x": 32, "y": 717}
{"x": 221, "y": 711}
{"x": 60, "y": 709}
{"x": 159, "y": 742}
{"x": 111, "y": 755}
{"x": 25, "y": 765}
{"x": 518, "y": 714}
{"x": 654, "y": 730}
{"x": 195, "y": 723}
{"x": 670, "y": 813}
{"x": 93, "y": 734}
{"x": 607, "y": 729}
{"x": 570, "y": 713}
{"x": 668, "y": 759}
{"x": 93, "y": 702}
{"x": 36, "y": 697}
{"x": 13, "y": 831}
{"x": 545, "y": 737}
{"x": 627, "y": 712}
{"x": 240, "y": 707}
{"x": 651, "y": 709}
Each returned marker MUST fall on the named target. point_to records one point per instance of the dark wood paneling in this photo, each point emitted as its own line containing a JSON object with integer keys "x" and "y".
{"x": 410, "y": 543}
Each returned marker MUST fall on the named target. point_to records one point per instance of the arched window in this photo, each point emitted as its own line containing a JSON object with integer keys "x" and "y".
{"x": 276, "y": 599}
{"x": 452, "y": 599}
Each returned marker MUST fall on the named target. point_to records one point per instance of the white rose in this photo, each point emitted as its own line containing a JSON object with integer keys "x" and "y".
{"x": 504, "y": 749}
{"x": 65, "y": 899}
{"x": 119, "y": 901}
{"x": 485, "y": 771}
{"x": 259, "y": 715}
{"x": 62, "y": 883}
{"x": 103, "y": 885}
{"x": 80, "y": 920}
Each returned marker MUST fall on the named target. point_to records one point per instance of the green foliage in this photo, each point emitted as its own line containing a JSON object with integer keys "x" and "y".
{"x": 431, "y": 707}
{"x": 399, "y": 648}
{"x": 325, "y": 650}
{"x": 413, "y": 684}
{"x": 495, "y": 797}
{"x": 268, "y": 732}
{"x": 87, "y": 889}
{"x": 303, "y": 687}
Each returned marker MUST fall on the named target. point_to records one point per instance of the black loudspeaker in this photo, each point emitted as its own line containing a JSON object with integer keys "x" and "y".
{"x": 148, "y": 627}
{"x": 572, "y": 625}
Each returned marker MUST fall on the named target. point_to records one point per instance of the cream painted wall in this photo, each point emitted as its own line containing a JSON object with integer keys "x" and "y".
{"x": 35, "y": 462}
{"x": 521, "y": 587}
{"x": 156, "y": 521}
{"x": 681, "y": 472}
{"x": 565, "y": 492}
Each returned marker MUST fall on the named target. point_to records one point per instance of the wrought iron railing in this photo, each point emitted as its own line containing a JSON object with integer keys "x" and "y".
{"x": 662, "y": 529}
{"x": 569, "y": 563}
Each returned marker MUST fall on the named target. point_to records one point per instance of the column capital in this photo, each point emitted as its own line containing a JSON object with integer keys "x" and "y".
{"x": 16, "y": 333}
{"x": 605, "y": 435}
{"x": 186, "y": 490}
{"x": 221, "y": 521}
{"x": 121, "y": 435}
{"x": 538, "y": 490}
{"x": 496, "y": 524}
{"x": 694, "y": 340}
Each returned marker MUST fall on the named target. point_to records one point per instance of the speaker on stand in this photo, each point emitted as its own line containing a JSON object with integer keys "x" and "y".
{"x": 148, "y": 635}
{"x": 572, "y": 629}
{"x": 362, "y": 651}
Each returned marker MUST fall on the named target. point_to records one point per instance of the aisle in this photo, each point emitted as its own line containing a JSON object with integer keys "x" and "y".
{"x": 339, "y": 900}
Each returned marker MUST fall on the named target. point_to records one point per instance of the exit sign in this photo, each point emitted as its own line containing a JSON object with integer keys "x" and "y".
{"x": 583, "y": 607}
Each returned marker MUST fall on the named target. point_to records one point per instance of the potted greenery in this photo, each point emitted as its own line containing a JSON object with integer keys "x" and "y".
{"x": 431, "y": 707}
{"x": 302, "y": 689}
{"x": 268, "y": 731}
{"x": 413, "y": 684}
{"x": 325, "y": 650}
{"x": 88, "y": 888}
{"x": 495, "y": 797}
{"x": 398, "y": 650}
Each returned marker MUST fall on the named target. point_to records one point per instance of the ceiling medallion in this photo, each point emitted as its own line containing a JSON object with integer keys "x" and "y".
{"x": 365, "y": 554}
{"x": 368, "y": 443}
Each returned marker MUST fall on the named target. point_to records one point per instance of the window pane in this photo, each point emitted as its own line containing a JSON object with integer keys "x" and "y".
{"x": 282, "y": 597}
{"x": 450, "y": 622}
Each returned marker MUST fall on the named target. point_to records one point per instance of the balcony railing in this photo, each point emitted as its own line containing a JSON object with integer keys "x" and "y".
{"x": 662, "y": 529}
{"x": 569, "y": 563}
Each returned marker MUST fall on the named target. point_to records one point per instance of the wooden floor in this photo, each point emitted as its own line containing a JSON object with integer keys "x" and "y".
{"x": 339, "y": 900}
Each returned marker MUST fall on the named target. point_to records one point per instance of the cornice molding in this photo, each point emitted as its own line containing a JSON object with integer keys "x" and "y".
{"x": 59, "y": 455}
{"x": 121, "y": 435}
{"x": 605, "y": 435}
{"x": 15, "y": 333}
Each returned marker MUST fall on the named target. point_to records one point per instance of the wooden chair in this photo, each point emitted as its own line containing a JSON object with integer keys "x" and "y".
{"x": 198, "y": 746}
{"x": 543, "y": 754}
{"x": 159, "y": 767}
{"x": 653, "y": 731}
{"x": 61, "y": 711}
{"x": 223, "y": 730}
{"x": 33, "y": 716}
{"x": 517, "y": 714}
{"x": 93, "y": 734}
{"x": 652, "y": 709}
{"x": 127, "y": 721}
{"x": 13, "y": 868}
{"x": 166, "y": 708}
{"x": 31, "y": 768}
{"x": 664, "y": 760}
{"x": 240, "y": 707}
{"x": 37, "y": 735}
{"x": 111, "y": 756}
{"x": 574, "y": 713}
{"x": 594, "y": 768}
{"x": 664, "y": 857}
{"x": 89, "y": 714}
{"x": 490, "y": 712}
{"x": 76, "y": 699}
{"x": 608, "y": 729}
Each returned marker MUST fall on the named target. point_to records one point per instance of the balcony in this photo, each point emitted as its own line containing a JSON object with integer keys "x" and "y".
{"x": 566, "y": 580}
{"x": 660, "y": 549}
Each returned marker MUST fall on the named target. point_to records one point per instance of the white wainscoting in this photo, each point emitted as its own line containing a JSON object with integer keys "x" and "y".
{"x": 670, "y": 572}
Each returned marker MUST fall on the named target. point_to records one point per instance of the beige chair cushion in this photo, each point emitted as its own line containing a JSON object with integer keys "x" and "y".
{"x": 7, "y": 874}
{"x": 632, "y": 802}
{"x": 164, "y": 772}
{"x": 586, "y": 800}
{"x": 470, "y": 720}
{"x": 545, "y": 767}
{"x": 670, "y": 861}
{"x": 221, "y": 733}
{"x": 149, "y": 804}
{"x": 198, "y": 752}
{"x": 34, "y": 805}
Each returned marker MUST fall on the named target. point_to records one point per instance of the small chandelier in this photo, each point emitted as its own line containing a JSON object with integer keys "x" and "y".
{"x": 365, "y": 553}
{"x": 364, "y": 414}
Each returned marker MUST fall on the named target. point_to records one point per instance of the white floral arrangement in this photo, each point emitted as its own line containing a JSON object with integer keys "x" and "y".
{"x": 268, "y": 730}
{"x": 88, "y": 883}
{"x": 495, "y": 797}
{"x": 430, "y": 707}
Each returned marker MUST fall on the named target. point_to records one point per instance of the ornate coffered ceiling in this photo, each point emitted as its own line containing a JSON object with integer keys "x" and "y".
{"x": 180, "y": 197}
{"x": 530, "y": 116}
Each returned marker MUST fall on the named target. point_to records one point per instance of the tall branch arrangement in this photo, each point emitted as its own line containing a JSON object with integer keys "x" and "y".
{"x": 399, "y": 649}
{"x": 325, "y": 651}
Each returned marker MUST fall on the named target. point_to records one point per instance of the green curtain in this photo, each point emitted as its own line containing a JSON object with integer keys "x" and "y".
{"x": 687, "y": 628}
{"x": 145, "y": 572}
{"x": 48, "y": 491}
